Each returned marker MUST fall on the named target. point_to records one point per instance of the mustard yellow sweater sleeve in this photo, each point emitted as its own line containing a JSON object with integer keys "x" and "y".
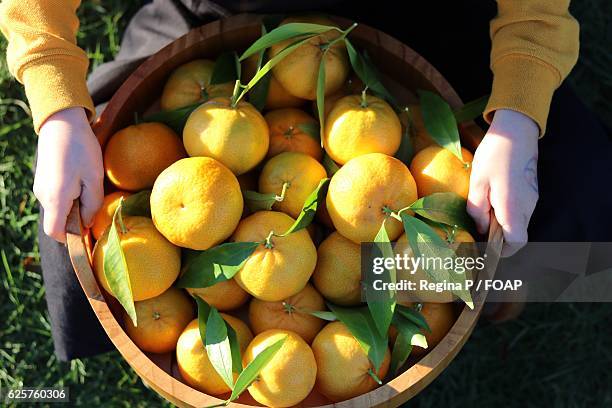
{"x": 43, "y": 55}
{"x": 534, "y": 47}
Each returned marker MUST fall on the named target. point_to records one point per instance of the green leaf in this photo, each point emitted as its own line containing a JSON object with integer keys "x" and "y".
{"x": 235, "y": 349}
{"x": 116, "y": 267}
{"x": 251, "y": 371}
{"x": 312, "y": 129}
{"x": 256, "y": 201}
{"x": 381, "y": 303}
{"x": 471, "y": 110}
{"x": 401, "y": 351}
{"x": 203, "y": 312}
{"x": 270, "y": 64}
{"x": 360, "y": 323}
{"x": 408, "y": 335}
{"x": 138, "y": 204}
{"x": 216, "y": 264}
{"x": 226, "y": 69}
{"x": 406, "y": 149}
{"x": 218, "y": 347}
{"x": 446, "y": 208}
{"x": 321, "y": 314}
{"x": 330, "y": 166}
{"x": 440, "y": 122}
{"x": 411, "y": 331}
{"x": 309, "y": 209}
{"x": 259, "y": 93}
{"x": 174, "y": 119}
{"x": 321, "y": 96}
{"x": 424, "y": 241}
{"x": 285, "y": 32}
{"x": 414, "y": 316}
{"x": 365, "y": 70}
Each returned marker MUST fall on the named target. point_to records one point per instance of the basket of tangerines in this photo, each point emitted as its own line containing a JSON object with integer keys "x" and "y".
{"x": 252, "y": 168}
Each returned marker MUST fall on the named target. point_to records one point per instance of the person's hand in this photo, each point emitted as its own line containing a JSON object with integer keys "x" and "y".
{"x": 69, "y": 166}
{"x": 504, "y": 177}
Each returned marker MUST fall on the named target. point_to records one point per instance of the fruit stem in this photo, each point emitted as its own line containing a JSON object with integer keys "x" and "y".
{"x": 348, "y": 30}
{"x": 387, "y": 210}
{"x": 204, "y": 93}
{"x": 325, "y": 46}
{"x": 281, "y": 197}
{"x": 374, "y": 376}
{"x": 288, "y": 307}
{"x": 236, "y": 94}
{"x": 450, "y": 236}
{"x": 289, "y": 132}
{"x": 268, "y": 241}
{"x": 122, "y": 226}
{"x": 364, "y": 100}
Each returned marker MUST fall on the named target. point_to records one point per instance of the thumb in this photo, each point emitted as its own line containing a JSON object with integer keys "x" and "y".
{"x": 92, "y": 196}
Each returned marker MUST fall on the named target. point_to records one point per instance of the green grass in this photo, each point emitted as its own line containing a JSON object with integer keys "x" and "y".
{"x": 554, "y": 355}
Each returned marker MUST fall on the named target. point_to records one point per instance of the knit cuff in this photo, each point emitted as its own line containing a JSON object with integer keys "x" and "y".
{"x": 55, "y": 83}
{"x": 524, "y": 84}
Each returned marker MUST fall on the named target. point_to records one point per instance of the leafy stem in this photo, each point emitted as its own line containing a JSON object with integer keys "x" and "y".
{"x": 281, "y": 197}
{"x": 364, "y": 99}
{"x": 289, "y": 308}
{"x": 236, "y": 94}
{"x": 389, "y": 212}
{"x": 122, "y": 226}
{"x": 268, "y": 241}
{"x": 343, "y": 33}
{"x": 374, "y": 376}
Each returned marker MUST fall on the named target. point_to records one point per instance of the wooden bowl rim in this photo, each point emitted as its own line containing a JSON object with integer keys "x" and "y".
{"x": 392, "y": 393}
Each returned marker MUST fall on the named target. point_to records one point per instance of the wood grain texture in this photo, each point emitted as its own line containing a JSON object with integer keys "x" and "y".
{"x": 138, "y": 94}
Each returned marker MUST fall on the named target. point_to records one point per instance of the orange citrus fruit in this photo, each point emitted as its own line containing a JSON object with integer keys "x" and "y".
{"x": 289, "y": 376}
{"x": 289, "y": 132}
{"x": 135, "y": 156}
{"x": 277, "y": 96}
{"x": 104, "y": 216}
{"x": 338, "y": 272}
{"x": 190, "y": 84}
{"x": 298, "y": 71}
{"x": 437, "y": 170}
{"x": 343, "y": 366}
{"x": 361, "y": 124}
{"x": 289, "y": 314}
{"x": 192, "y": 359}
{"x": 299, "y": 172}
{"x": 363, "y": 190}
{"x": 196, "y": 203}
{"x": 440, "y": 317}
{"x": 153, "y": 262}
{"x": 237, "y": 136}
{"x": 280, "y": 266}
{"x": 225, "y": 295}
{"x": 160, "y": 320}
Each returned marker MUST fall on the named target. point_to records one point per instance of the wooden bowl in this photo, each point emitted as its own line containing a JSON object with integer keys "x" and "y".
{"x": 404, "y": 71}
